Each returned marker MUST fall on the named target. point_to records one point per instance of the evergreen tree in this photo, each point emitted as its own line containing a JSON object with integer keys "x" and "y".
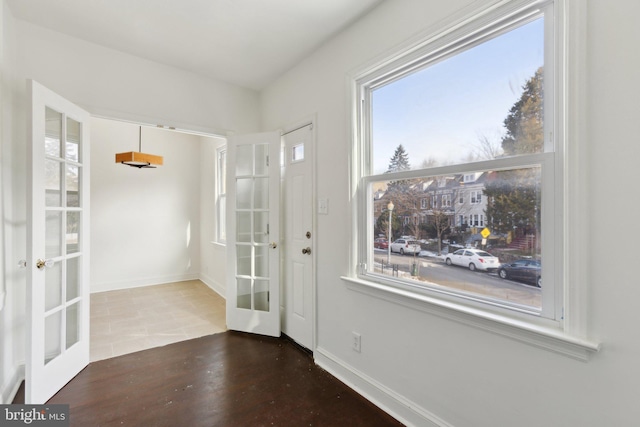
{"x": 524, "y": 124}
{"x": 514, "y": 196}
{"x": 399, "y": 161}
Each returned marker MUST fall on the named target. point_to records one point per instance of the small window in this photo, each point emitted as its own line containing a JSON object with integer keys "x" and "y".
{"x": 297, "y": 153}
{"x": 221, "y": 194}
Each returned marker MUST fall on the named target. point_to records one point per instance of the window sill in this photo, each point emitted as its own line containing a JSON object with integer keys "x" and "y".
{"x": 540, "y": 336}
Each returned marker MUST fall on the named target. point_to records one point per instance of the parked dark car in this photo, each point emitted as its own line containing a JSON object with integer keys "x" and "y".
{"x": 380, "y": 243}
{"x": 525, "y": 270}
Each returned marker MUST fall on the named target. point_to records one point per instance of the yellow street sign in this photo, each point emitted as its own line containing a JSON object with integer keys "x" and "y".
{"x": 485, "y": 233}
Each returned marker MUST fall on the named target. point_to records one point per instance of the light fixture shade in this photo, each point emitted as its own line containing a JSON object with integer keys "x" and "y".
{"x": 140, "y": 160}
{"x": 137, "y": 159}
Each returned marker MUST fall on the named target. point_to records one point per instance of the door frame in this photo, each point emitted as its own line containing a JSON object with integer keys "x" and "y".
{"x": 313, "y": 122}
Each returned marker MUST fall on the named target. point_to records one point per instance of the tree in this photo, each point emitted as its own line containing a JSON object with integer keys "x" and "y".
{"x": 399, "y": 161}
{"x": 513, "y": 200}
{"x": 524, "y": 123}
{"x": 487, "y": 148}
{"x": 514, "y": 196}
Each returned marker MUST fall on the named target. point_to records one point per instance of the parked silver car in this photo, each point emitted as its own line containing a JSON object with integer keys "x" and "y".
{"x": 475, "y": 259}
{"x": 404, "y": 246}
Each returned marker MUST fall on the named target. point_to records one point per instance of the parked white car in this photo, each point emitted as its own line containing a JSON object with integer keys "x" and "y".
{"x": 475, "y": 259}
{"x": 405, "y": 246}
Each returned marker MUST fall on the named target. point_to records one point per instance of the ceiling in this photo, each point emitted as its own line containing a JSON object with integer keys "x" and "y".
{"x": 245, "y": 42}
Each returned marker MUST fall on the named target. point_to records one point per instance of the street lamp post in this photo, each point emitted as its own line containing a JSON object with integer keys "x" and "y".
{"x": 390, "y": 209}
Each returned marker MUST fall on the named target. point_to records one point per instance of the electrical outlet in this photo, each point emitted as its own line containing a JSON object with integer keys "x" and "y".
{"x": 356, "y": 341}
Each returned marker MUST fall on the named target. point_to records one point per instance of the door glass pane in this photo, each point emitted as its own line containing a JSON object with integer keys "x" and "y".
{"x": 261, "y": 227}
{"x": 53, "y": 132}
{"x": 262, "y": 261}
{"x": 243, "y": 262}
{"x": 73, "y": 184}
{"x": 243, "y": 227}
{"x": 244, "y": 293}
{"x": 52, "y": 330}
{"x": 244, "y": 160}
{"x": 53, "y": 234}
{"x": 73, "y": 326}
{"x": 261, "y": 193}
{"x": 262, "y": 155}
{"x": 52, "y": 286}
{"x": 72, "y": 151}
{"x": 73, "y": 232}
{"x": 261, "y": 295}
{"x": 52, "y": 183}
{"x": 243, "y": 193}
{"x": 73, "y": 278}
{"x": 297, "y": 153}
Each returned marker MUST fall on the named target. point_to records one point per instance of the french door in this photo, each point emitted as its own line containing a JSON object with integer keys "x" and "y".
{"x": 57, "y": 244}
{"x": 253, "y": 233}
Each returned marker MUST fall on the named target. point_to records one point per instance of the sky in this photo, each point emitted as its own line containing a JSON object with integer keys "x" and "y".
{"x": 442, "y": 111}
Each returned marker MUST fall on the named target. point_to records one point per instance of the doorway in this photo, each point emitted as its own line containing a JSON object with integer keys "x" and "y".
{"x": 152, "y": 233}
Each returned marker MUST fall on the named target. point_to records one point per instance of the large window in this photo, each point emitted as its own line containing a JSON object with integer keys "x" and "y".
{"x": 467, "y": 121}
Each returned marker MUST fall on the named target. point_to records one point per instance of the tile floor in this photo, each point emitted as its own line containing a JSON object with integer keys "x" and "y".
{"x": 130, "y": 320}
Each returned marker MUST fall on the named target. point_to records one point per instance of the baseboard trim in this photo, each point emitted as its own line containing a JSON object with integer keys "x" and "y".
{"x": 10, "y": 389}
{"x": 217, "y": 287}
{"x": 149, "y": 281}
{"x": 399, "y": 407}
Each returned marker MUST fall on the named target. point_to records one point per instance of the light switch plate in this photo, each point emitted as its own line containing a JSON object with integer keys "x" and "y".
{"x": 323, "y": 206}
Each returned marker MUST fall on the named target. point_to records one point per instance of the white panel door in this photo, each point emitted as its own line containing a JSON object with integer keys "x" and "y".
{"x": 253, "y": 233}
{"x": 58, "y": 244}
{"x": 297, "y": 310}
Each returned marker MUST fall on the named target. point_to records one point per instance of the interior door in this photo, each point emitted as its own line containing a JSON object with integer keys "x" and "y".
{"x": 57, "y": 244}
{"x": 253, "y": 233}
{"x": 297, "y": 298}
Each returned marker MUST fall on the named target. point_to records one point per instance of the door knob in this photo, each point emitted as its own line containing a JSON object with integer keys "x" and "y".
{"x": 41, "y": 263}
{"x": 273, "y": 245}
{"x": 306, "y": 251}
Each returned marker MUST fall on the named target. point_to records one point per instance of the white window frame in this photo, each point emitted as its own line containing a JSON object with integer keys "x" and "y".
{"x": 566, "y": 331}
{"x": 476, "y": 197}
{"x": 221, "y": 195}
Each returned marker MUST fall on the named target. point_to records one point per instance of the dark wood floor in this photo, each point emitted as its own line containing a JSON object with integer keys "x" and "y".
{"x": 227, "y": 379}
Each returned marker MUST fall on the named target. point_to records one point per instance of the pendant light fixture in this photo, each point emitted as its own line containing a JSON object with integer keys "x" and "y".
{"x": 138, "y": 159}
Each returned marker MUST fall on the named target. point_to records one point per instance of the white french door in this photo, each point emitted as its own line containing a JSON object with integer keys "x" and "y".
{"x": 253, "y": 233}
{"x": 57, "y": 244}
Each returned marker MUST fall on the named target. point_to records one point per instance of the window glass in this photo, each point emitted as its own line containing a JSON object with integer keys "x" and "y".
{"x": 479, "y": 104}
{"x": 456, "y": 147}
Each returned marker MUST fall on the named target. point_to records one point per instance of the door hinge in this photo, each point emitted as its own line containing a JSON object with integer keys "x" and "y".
{"x": 267, "y": 160}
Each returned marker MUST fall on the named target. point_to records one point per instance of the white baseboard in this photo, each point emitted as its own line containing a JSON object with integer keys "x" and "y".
{"x": 399, "y": 407}
{"x": 138, "y": 283}
{"x": 9, "y": 390}
{"x": 217, "y": 287}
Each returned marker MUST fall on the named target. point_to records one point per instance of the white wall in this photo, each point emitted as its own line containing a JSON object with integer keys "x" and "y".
{"x": 118, "y": 85}
{"x": 432, "y": 370}
{"x": 12, "y": 314}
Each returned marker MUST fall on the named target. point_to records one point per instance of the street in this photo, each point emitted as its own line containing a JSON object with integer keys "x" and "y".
{"x": 434, "y": 270}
